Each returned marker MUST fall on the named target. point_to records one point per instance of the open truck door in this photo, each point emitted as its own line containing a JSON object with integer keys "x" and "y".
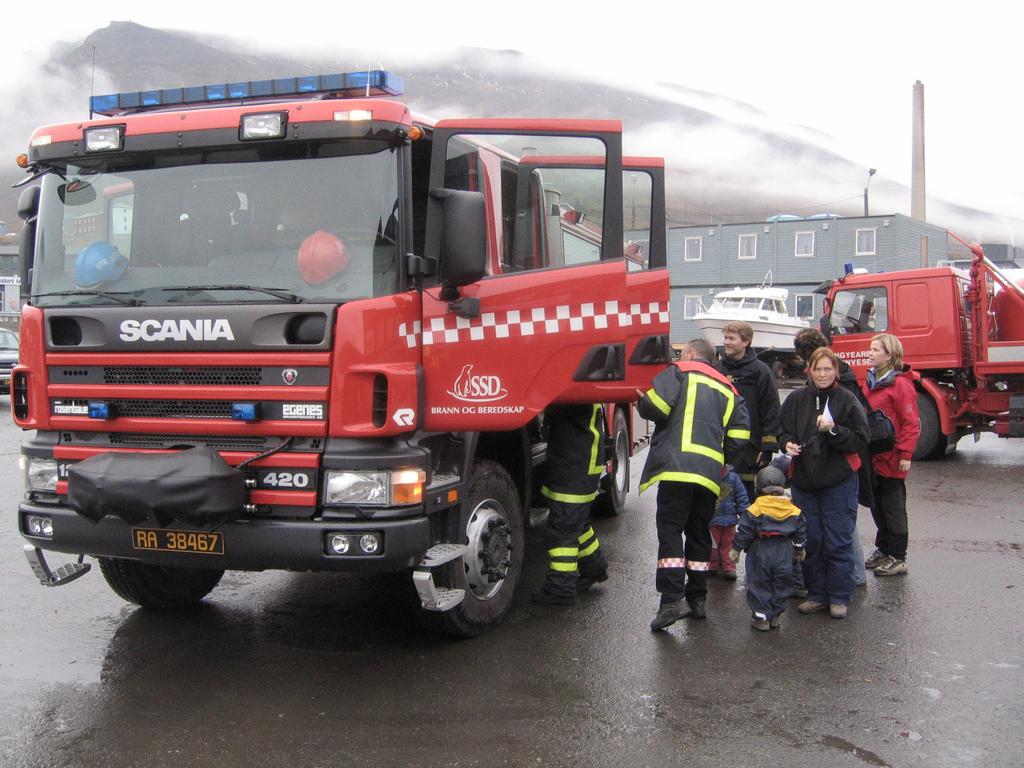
{"x": 543, "y": 312}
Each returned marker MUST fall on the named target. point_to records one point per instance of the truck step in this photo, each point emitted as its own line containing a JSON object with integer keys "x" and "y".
{"x": 433, "y": 597}
{"x": 58, "y": 578}
{"x": 439, "y": 554}
{"x": 539, "y": 517}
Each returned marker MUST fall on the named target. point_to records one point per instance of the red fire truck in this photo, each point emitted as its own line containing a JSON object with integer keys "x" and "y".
{"x": 290, "y": 325}
{"x": 962, "y": 332}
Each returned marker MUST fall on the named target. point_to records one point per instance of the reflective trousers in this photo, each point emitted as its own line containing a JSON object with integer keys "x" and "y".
{"x": 684, "y": 509}
{"x": 573, "y": 547}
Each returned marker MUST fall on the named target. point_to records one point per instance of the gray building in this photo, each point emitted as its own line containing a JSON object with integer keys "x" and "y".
{"x": 794, "y": 253}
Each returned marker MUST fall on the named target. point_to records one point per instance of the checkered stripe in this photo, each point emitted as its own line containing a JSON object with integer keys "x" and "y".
{"x": 516, "y": 323}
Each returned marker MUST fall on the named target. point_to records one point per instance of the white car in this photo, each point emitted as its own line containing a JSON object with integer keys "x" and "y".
{"x": 8, "y": 358}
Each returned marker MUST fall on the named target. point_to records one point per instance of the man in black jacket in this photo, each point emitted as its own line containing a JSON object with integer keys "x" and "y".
{"x": 756, "y": 384}
{"x": 699, "y": 422}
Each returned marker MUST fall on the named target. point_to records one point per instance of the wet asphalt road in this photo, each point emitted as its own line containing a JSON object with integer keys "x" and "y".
{"x": 281, "y": 669}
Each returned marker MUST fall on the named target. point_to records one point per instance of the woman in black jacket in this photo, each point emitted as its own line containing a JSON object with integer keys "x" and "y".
{"x": 823, "y": 430}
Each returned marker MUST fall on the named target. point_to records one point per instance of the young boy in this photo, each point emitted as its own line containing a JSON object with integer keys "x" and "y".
{"x": 732, "y": 500}
{"x": 771, "y": 531}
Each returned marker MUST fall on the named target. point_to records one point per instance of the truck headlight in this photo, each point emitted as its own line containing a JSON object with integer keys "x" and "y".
{"x": 379, "y": 488}
{"x": 360, "y": 488}
{"x": 41, "y": 475}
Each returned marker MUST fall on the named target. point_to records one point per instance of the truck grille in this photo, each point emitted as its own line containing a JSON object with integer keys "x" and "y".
{"x": 163, "y": 409}
{"x": 220, "y": 442}
{"x": 227, "y": 375}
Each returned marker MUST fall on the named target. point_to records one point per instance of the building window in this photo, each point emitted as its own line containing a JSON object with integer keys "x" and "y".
{"x": 692, "y": 248}
{"x": 691, "y": 306}
{"x": 747, "y": 247}
{"x": 805, "y": 305}
{"x": 804, "y": 244}
{"x": 865, "y": 242}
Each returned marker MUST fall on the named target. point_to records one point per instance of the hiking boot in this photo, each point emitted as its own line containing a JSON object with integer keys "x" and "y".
{"x": 544, "y": 597}
{"x": 761, "y": 625}
{"x": 811, "y": 606}
{"x": 875, "y": 559}
{"x": 697, "y": 610}
{"x": 669, "y": 614}
{"x": 584, "y": 583}
{"x": 891, "y": 567}
{"x": 837, "y": 611}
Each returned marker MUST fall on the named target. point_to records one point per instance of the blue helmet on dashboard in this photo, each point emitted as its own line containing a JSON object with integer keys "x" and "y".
{"x": 99, "y": 263}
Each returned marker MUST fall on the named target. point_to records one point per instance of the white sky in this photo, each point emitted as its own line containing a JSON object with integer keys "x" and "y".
{"x": 843, "y": 68}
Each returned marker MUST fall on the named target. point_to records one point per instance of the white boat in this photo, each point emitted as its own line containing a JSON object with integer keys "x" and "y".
{"x": 763, "y": 307}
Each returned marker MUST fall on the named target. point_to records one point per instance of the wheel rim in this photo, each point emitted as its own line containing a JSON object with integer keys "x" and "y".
{"x": 621, "y": 462}
{"x": 490, "y": 549}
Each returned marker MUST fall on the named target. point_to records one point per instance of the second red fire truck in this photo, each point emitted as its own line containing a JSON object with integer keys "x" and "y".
{"x": 962, "y": 332}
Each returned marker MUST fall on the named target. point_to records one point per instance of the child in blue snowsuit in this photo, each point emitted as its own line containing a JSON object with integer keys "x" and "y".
{"x": 732, "y": 500}
{"x": 771, "y": 532}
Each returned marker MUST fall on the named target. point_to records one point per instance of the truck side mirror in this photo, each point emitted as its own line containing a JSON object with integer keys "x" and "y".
{"x": 28, "y": 209}
{"x": 463, "y": 257}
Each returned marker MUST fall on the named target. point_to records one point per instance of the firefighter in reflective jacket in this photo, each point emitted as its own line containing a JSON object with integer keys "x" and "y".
{"x": 700, "y": 423}
{"x": 575, "y": 460}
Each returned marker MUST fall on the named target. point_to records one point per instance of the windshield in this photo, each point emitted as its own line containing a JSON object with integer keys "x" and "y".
{"x": 320, "y": 227}
{"x": 8, "y": 339}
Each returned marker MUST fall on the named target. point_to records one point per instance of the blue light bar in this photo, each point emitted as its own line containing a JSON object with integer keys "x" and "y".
{"x": 245, "y": 411}
{"x": 352, "y": 84}
{"x": 99, "y": 410}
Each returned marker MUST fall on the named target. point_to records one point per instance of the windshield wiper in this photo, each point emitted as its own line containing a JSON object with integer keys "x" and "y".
{"x": 279, "y": 293}
{"x": 113, "y": 296}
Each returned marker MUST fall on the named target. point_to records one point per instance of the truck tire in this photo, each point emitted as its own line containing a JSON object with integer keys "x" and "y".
{"x": 154, "y": 586}
{"x": 491, "y": 518}
{"x": 932, "y": 443}
{"x": 615, "y": 484}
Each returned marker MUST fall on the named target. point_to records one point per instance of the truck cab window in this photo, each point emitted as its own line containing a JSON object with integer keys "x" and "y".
{"x": 860, "y": 311}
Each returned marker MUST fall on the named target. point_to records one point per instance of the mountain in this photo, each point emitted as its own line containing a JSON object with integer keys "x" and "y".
{"x": 727, "y": 160}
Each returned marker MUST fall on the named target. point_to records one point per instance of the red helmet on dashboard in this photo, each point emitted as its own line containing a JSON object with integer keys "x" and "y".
{"x": 321, "y": 257}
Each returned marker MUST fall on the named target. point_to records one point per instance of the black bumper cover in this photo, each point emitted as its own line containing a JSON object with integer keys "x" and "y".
{"x": 249, "y": 545}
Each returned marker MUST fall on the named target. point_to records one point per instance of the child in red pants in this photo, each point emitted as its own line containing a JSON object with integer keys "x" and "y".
{"x": 732, "y": 502}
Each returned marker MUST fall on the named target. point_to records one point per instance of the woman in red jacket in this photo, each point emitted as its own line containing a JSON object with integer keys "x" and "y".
{"x": 890, "y": 388}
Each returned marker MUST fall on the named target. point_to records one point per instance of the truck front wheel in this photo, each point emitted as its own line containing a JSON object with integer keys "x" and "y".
{"x": 492, "y": 520}
{"x": 153, "y": 586}
{"x": 932, "y": 443}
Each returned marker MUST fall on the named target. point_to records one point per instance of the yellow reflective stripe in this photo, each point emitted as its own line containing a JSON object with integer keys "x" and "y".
{"x": 565, "y": 567}
{"x": 742, "y": 434}
{"x": 564, "y": 552}
{"x": 769, "y": 439}
{"x": 682, "y": 477}
{"x": 591, "y": 549}
{"x": 586, "y": 535}
{"x": 595, "y": 468}
{"x": 568, "y": 498}
{"x": 657, "y": 402}
{"x": 687, "y": 445}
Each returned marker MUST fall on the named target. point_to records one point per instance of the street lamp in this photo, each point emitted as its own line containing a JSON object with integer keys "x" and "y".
{"x": 871, "y": 172}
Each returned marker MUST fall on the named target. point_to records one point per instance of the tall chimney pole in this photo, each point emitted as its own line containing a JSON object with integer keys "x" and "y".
{"x": 917, "y": 187}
